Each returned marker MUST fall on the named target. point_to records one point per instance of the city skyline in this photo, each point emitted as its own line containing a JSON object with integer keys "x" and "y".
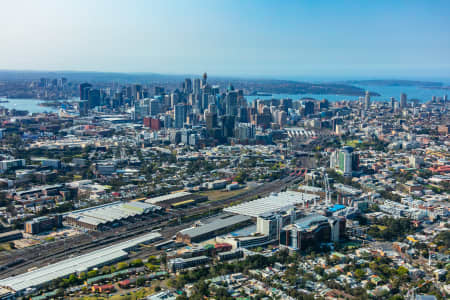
{"x": 289, "y": 40}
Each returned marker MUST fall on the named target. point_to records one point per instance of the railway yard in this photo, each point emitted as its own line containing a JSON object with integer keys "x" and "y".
{"x": 168, "y": 224}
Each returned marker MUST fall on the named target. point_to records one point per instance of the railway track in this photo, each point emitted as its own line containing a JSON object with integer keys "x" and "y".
{"x": 42, "y": 255}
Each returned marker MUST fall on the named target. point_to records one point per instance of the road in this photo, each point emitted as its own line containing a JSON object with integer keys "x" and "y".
{"x": 44, "y": 254}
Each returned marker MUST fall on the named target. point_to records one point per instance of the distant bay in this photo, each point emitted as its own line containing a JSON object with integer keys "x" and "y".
{"x": 386, "y": 92}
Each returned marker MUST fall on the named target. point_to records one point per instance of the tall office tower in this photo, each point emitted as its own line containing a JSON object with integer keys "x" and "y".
{"x": 231, "y": 103}
{"x": 309, "y": 108}
{"x": 265, "y": 118}
{"x": 445, "y": 98}
{"x": 136, "y": 92}
{"x": 158, "y": 90}
{"x": 403, "y": 100}
{"x": 282, "y": 118}
{"x": 83, "y": 107}
{"x": 84, "y": 90}
{"x": 392, "y": 103}
{"x": 215, "y": 90}
{"x": 243, "y": 114}
{"x": 286, "y": 103}
{"x": 118, "y": 99}
{"x": 180, "y": 115}
{"x": 210, "y": 120}
{"x": 94, "y": 98}
{"x": 155, "y": 107}
{"x": 187, "y": 86}
{"x": 367, "y": 101}
{"x": 204, "y": 78}
{"x": 173, "y": 99}
{"x": 204, "y": 102}
{"x": 245, "y": 131}
{"x": 227, "y": 126}
{"x": 196, "y": 85}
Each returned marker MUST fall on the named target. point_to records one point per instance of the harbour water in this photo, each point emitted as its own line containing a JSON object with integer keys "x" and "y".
{"x": 31, "y": 105}
{"x": 386, "y": 92}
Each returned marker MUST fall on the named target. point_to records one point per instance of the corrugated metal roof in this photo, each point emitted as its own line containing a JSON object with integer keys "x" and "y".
{"x": 72, "y": 265}
{"x": 271, "y": 203}
{"x": 215, "y": 225}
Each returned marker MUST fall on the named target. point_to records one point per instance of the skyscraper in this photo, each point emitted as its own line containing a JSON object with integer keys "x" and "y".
{"x": 94, "y": 98}
{"x": 392, "y": 103}
{"x": 309, "y": 108}
{"x": 196, "y": 85}
{"x": 367, "y": 101}
{"x": 84, "y": 89}
{"x": 137, "y": 92}
{"x": 211, "y": 120}
{"x": 204, "y": 78}
{"x": 155, "y": 107}
{"x": 231, "y": 103}
{"x": 187, "y": 86}
{"x": 180, "y": 115}
{"x": 228, "y": 126}
{"x": 403, "y": 100}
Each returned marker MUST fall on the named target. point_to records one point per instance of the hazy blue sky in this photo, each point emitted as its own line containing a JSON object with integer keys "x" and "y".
{"x": 262, "y": 38}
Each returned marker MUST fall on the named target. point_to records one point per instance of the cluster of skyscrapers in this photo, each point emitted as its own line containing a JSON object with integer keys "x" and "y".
{"x": 198, "y": 106}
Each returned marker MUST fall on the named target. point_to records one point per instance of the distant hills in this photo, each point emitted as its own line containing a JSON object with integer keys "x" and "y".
{"x": 394, "y": 82}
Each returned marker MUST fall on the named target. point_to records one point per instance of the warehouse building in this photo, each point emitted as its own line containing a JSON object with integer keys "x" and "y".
{"x": 10, "y": 236}
{"x": 109, "y": 215}
{"x": 212, "y": 229}
{"x": 41, "y": 224}
{"x": 173, "y": 199}
{"x": 75, "y": 265}
{"x": 273, "y": 203}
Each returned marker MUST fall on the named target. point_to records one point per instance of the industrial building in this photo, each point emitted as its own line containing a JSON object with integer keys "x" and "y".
{"x": 10, "y": 236}
{"x": 212, "y": 229}
{"x": 75, "y": 265}
{"x": 171, "y": 200}
{"x": 109, "y": 215}
{"x": 273, "y": 203}
{"x": 41, "y": 224}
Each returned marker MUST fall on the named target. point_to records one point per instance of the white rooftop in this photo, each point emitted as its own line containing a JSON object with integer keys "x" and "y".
{"x": 272, "y": 203}
{"x": 167, "y": 197}
{"x": 76, "y": 264}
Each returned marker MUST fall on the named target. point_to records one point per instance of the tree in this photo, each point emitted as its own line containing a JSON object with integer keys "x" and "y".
{"x": 136, "y": 263}
{"x": 359, "y": 273}
{"x": 140, "y": 281}
{"x": 402, "y": 271}
{"x": 122, "y": 266}
{"x": 92, "y": 273}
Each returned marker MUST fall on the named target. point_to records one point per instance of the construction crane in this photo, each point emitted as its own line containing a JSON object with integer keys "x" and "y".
{"x": 348, "y": 208}
{"x": 327, "y": 189}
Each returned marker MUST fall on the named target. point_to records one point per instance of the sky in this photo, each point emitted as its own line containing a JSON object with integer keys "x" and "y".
{"x": 257, "y": 38}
